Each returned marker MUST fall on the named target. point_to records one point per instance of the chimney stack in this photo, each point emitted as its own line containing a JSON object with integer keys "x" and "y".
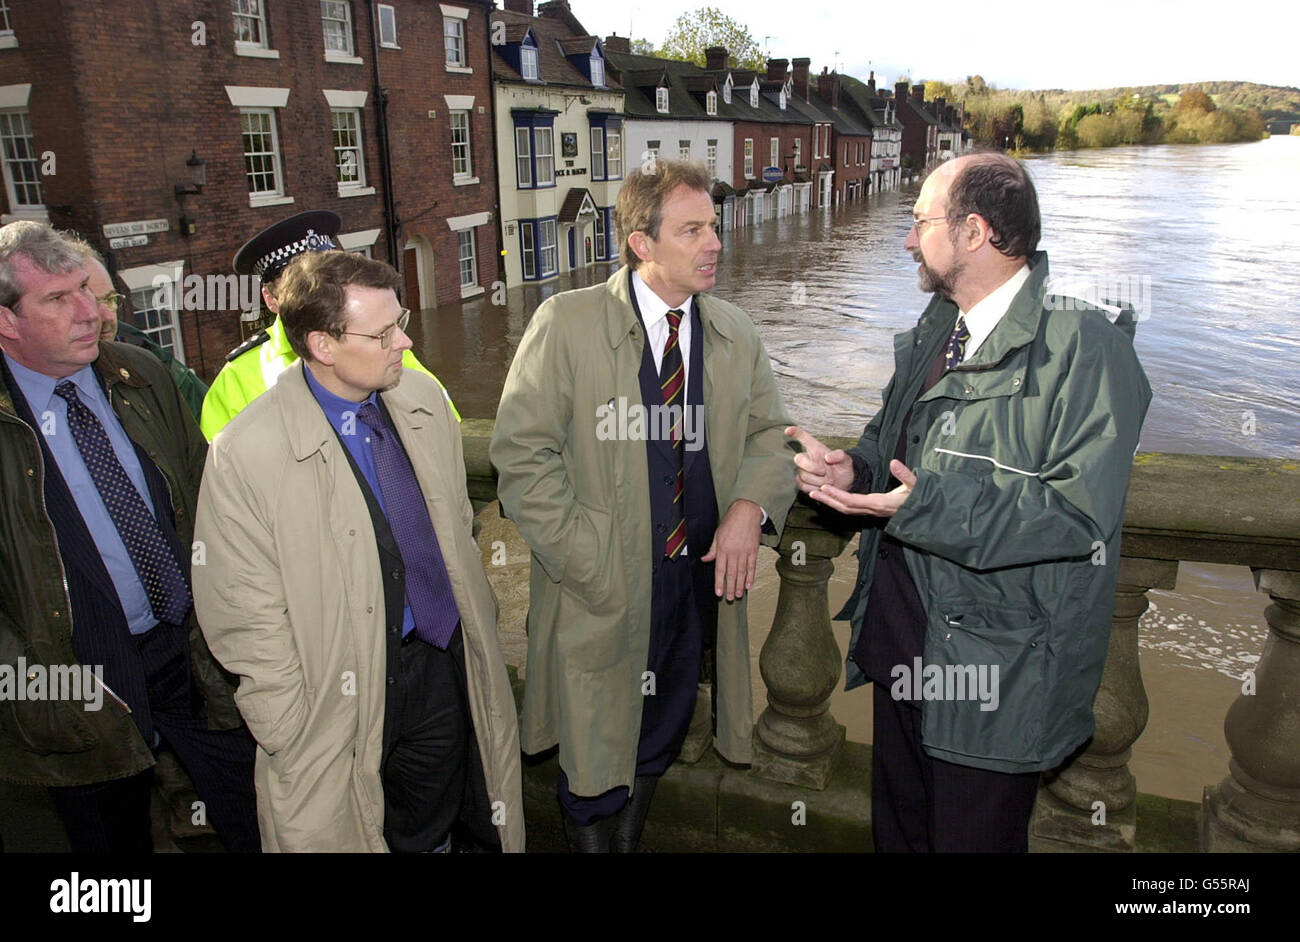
{"x": 871, "y": 84}
{"x": 520, "y": 6}
{"x": 940, "y": 108}
{"x": 776, "y": 69}
{"x": 828, "y": 86}
{"x": 800, "y": 77}
{"x": 615, "y": 43}
{"x": 715, "y": 58}
{"x": 918, "y": 94}
{"x": 900, "y": 92}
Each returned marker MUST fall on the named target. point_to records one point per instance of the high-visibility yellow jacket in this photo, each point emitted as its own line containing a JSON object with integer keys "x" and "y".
{"x": 254, "y": 366}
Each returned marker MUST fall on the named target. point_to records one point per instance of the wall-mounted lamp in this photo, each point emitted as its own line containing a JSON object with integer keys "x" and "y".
{"x": 198, "y": 176}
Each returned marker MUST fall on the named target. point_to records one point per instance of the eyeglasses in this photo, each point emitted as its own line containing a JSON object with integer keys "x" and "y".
{"x": 919, "y": 224}
{"x": 112, "y": 300}
{"x": 385, "y": 336}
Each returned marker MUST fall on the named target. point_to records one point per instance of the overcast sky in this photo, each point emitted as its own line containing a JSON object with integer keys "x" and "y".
{"x": 1012, "y": 44}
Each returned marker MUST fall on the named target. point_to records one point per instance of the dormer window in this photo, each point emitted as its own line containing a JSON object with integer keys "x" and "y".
{"x": 711, "y": 103}
{"x": 597, "y": 71}
{"x": 783, "y": 99}
{"x": 753, "y": 95}
{"x": 528, "y": 63}
{"x": 661, "y": 100}
{"x": 726, "y": 92}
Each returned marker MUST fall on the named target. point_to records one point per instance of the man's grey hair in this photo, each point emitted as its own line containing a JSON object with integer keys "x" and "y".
{"x": 82, "y": 247}
{"x": 41, "y": 246}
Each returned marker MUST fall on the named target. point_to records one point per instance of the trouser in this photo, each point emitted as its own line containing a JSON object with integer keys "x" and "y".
{"x": 426, "y": 746}
{"x": 676, "y": 647}
{"x": 113, "y": 817}
{"x": 920, "y": 804}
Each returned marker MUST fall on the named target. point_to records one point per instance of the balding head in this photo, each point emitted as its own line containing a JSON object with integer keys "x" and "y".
{"x": 998, "y": 189}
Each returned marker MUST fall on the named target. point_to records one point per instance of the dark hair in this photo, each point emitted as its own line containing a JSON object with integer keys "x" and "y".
{"x": 313, "y": 292}
{"x": 640, "y": 204}
{"x": 998, "y": 188}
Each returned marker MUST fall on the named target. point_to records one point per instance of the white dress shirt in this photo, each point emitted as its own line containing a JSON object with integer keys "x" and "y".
{"x": 985, "y": 315}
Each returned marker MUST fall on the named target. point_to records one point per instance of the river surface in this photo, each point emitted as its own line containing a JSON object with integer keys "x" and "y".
{"x": 1202, "y": 239}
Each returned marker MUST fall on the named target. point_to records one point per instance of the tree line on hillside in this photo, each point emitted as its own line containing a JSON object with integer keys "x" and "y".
{"x": 1061, "y": 120}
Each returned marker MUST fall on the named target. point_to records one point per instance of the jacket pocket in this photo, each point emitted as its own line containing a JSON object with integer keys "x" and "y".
{"x": 587, "y": 567}
{"x": 45, "y": 727}
{"x": 987, "y": 666}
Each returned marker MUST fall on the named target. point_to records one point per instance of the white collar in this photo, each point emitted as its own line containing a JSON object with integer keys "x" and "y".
{"x": 654, "y": 308}
{"x": 985, "y": 315}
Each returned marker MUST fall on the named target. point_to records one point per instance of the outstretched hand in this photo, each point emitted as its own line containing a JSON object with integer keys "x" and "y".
{"x": 818, "y": 465}
{"x": 884, "y": 504}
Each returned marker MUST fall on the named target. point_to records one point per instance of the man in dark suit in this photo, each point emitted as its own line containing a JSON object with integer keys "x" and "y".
{"x": 99, "y": 476}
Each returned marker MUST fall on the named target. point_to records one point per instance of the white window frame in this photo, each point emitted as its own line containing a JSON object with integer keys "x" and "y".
{"x": 387, "y": 11}
{"x": 798, "y": 151}
{"x": 597, "y": 153}
{"x": 602, "y": 241}
{"x": 144, "y": 280}
{"x": 524, "y": 157}
{"x": 661, "y": 100}
{"x": 774, "y": 151}
{"x": 782, "y": 99}
{"x": 7, "y": 38}
{"x": 749, "y": 158}
{"x": 253, "y": 11}
{"x": 726, "y": 91}
{"x": 711, "y": 158}
{"x": 684, "y": 149}
{"x": 547, "y": 155}
{"x": 357, "y": 148}
{"x": 468, "y": 237}
{"x": 467, "y": 157}
{"x": 453, "y": 31}
{"x": 711, "y": 103}
{"x": 528, "y": 250}
{"x": 528, "y": 67}
{"x": 545, "y": 226}
{"x": 598, "y": 71}
{"x": 613, "y": 154}
{"x": 17, "y": 206}
{"x": 264, "y": 197}
{"x": 846, "y": 153}
{"x": 342, "y": 55}
{"x": 753, "y": 95}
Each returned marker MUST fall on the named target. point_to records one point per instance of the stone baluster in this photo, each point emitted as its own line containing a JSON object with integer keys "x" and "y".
{"x": 1091, "y": 799}
{"x": 796, "y": 739}
{"x": 1257, "y": 807}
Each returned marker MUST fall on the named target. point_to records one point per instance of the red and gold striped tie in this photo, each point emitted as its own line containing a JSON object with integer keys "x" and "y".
{"x": 672, "y": 381}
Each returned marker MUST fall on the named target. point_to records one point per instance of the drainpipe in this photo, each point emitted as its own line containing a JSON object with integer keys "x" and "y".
{"x": 496, "y": 156}
{"x": 385, "y": 159}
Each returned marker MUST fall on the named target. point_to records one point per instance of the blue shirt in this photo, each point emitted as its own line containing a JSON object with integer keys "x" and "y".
{"x": 342, "y": 414}
{"x": 51, "y": 414}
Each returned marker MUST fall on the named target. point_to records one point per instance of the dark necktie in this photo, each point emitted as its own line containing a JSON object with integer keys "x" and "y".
{"x": 428, "y": 588}
{"x": 154, "y": 562}
{"x": 956, "y": 350}
{"x": 672, "y": 380}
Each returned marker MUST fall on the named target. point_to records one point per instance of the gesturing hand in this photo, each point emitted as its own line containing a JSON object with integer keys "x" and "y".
{"x": 884, "y": 504}
{"x": 819, "y": 466}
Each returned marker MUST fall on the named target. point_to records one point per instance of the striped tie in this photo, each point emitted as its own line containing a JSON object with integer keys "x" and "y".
{"x": 672, "y": 381}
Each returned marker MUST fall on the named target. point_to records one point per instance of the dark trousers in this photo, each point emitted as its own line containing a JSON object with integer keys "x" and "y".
{"x": 113, "y": 817}
{"x": 426, "y": 746}
{"x": 920, "y": 804}
{"x": 676, "y": 647}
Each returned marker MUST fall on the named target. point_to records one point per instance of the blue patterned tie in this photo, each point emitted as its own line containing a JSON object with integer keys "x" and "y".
{"x": 154, "y": 562}
{"x": 956, "y": 351}
{"x": 428, "y": 589}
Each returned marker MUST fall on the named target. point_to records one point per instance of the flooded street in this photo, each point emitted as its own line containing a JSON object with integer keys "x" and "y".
{"x": 1210, "y": 234}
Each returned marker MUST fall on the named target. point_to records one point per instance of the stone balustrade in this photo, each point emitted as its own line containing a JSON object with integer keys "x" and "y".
{"x": 1195, "y": 508}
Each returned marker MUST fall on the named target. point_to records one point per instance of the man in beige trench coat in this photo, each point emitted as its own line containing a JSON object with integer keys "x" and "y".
{"x": 639, "y": 445}
{"x": 367, "y": 652}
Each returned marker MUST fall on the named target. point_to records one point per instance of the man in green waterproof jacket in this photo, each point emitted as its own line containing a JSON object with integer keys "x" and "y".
{"x": 992, "y": 483}
{"x": 255, "y": 365}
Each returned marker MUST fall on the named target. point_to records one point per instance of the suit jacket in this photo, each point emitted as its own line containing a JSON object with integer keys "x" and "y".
{"x": 577, "y": 486}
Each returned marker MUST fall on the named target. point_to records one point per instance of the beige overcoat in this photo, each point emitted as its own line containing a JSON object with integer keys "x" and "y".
{"x": 581, "y": 500}
{"x": 290, "y": 598}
